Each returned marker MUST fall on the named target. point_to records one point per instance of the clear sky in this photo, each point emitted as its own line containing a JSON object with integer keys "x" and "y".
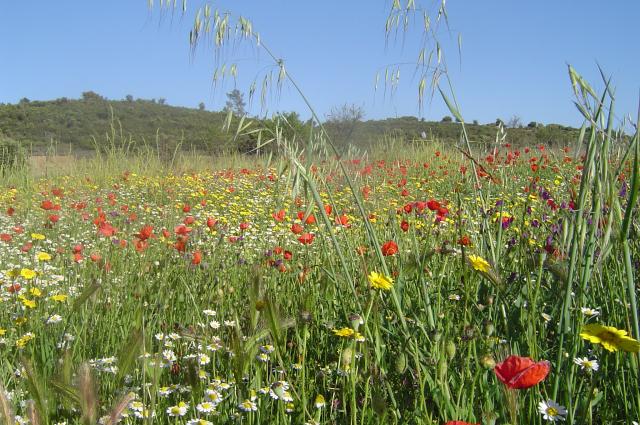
{"x": 514, "y": 54}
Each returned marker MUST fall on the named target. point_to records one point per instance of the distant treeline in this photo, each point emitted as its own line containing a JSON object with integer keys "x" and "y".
{"x": 79, "y": 125}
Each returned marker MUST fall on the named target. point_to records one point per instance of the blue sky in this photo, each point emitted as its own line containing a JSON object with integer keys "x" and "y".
{"x": 514, "y": 54}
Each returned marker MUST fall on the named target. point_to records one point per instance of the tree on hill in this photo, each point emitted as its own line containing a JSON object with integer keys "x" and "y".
{"x": 91, "y": 96}
{"x": 342, "y": 121}
{"x": 515, "y": 122}
{"x": 235, "y": 103}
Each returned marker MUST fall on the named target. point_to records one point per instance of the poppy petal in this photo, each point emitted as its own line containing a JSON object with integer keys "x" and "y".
{"x": 511, "y": 366}
{"x": 531, "y": 376}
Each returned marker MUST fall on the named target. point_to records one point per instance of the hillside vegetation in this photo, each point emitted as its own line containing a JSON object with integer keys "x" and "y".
{"x": 79, "y": 125}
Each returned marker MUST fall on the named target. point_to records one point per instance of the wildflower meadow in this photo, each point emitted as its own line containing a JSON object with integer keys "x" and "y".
{"x": 421, "y": 282}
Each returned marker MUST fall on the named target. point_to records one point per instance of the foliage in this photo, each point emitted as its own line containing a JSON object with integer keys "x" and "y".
{"x": 76, "y": 124}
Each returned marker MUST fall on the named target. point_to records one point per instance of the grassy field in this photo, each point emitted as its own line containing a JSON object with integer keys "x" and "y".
{"x": 391, "y": 288}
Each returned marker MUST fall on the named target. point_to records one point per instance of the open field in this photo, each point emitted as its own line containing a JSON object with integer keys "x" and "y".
{"x": 385, "y": 291}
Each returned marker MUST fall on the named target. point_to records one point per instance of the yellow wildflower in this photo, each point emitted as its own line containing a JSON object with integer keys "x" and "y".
{"x": 478, "y": 263}
{"x": 380, "y": 281}
{"x": 610, "y": 338}
{"x": 344, "y": 332}
{"x": 43, "y": 256}
{"x": 27, "y": 273}
{"x": 59, "y": 298}
{"x": 23, "y": 340}
{"x": 28, "y": 303}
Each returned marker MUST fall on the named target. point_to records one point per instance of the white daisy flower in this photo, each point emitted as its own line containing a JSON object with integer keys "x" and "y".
{"x": 179, "y": 409}
{"x": 552, "y": 411}
{"x": 586, "y": 364}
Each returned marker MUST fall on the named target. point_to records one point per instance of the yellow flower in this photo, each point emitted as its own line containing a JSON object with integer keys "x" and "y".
{"x": 43, "y": 256}
{"x": 349, "y": 333}
{"x": 380, "y": 281}
{"x": 319, "y": 401}
{"x": 344, "y": 332}
{"x": 59, "y": 298}
{"x": 38, "y": 236}
{"x": 23, "y": 340}
{"x": 479, "y": 263}
{"x": 610, "y": 338}
{"x": 27, "y": 273}
{"x": 28, "y": 303}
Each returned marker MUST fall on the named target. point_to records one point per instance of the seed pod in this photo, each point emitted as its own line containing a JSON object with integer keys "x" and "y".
{"x": 401, "y": 363}
{"x": 488, "y": 361}
{"x": 346, "y": 358}
{"x": 450, "y": 349}
{"x": 489, "y": 328}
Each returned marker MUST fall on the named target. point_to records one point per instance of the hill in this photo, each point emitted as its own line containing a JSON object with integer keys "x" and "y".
{"x": 79, "y": 125}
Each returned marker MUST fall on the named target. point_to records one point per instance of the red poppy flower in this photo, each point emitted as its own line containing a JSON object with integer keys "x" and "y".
{"x": 106, "y": 229}
{"x": 145, "y": 233}
{"x": 196, "y": 258}
{"x": 342, "y": 220}
{"x": 141, "y": 245}
{"x": 389, "y": 248}
{"x": 182, "y": 230}
{"x": 521, "y": 372}
{"x": 13, "y": 288}
{"x": 296, "y": 228}
{"x": 279, "y": 216}
{"x": 310, "y": 220}
{"x": 465, "y": 240}
{"x": 306, "y": 238}
{"x": 47, "y": 205}
{"x": 433, "y": 205}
